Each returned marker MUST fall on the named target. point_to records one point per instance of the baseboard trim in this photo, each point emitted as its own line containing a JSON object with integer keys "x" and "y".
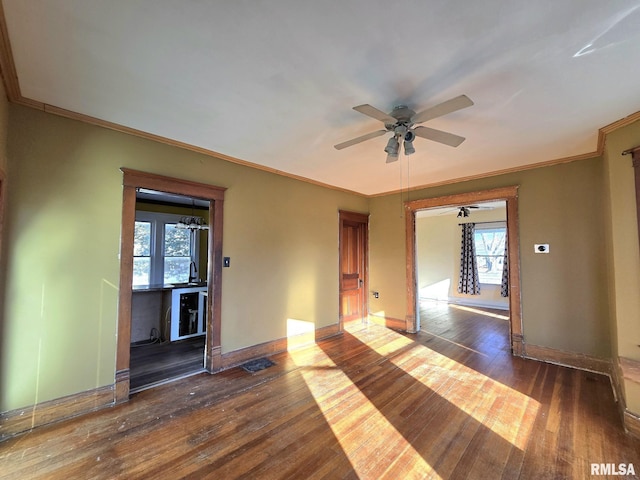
{"x": 15, "y": 422}
{"x": 630, "y": 369}
{"x": 631, "y": 423}
{"x": 627, "y": 369}
{"x": 568, "y": 359}
{"x": 242, "y": 355}
{"x": 472, "y": 303}
{"x": 122, "y": 386}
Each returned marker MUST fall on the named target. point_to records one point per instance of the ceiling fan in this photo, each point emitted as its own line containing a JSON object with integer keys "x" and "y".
{"x": 465, "y": 211}
{"x": 402, "y": 120}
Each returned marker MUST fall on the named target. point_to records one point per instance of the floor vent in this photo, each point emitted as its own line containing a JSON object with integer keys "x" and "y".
{"x": 257, "y": 365}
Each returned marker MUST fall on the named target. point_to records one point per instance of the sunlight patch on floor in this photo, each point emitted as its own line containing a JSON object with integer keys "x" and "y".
{"x": 373, "y": 441}
{"x": 505, "y": 411}
{"x": 479, "y": 312}
{"x": 457, "y": 344}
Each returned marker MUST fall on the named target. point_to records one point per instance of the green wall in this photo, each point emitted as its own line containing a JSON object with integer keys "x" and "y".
{"x": 62, "y": 240}
{"x": 564, "y": 293}
{"x": 63, "y": 230}
{"x": 623, "y": 252}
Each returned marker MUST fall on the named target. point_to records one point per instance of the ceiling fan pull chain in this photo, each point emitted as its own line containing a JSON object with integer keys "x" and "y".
{"x": 401, "y": 209}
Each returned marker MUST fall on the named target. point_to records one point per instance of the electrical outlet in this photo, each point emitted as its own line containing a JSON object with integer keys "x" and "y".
{"x": 541, "y": 248}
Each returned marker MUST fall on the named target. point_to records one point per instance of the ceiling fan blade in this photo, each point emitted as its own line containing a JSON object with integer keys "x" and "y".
{"x": 443, "y": 108}
{"x": 438, "y": 136}
{"x": 373, "y": 112}
{"x": 449, "y": 211}
{"x": 359, "y": 139}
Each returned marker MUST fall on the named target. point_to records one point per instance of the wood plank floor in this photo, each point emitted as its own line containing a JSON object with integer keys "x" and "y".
{"x": 369, "y": 404}
{"x": 156, "y": 363}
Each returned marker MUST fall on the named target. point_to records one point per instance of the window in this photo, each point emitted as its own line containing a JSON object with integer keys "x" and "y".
{"x": 490, "y": 241}
{"x": 142, "y": 253}
{"x": 162, "y": 253}
{"x": 177, "y": 253}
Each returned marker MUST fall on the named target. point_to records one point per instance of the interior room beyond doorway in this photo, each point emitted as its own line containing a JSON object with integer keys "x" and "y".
{"x": 169, "y": 296}
{"x": 438, "y": 254}
{"x": 463, "y": 205}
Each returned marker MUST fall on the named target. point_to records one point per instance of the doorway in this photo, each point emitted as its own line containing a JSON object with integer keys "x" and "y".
{"x": 168, "y": 311}
{"x": 506, "y": 194}
{"x": 133, "y": 181}
{"x": 353, "y": 264}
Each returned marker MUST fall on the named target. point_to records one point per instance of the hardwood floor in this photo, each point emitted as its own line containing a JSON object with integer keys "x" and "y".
{"x": 372, "y": 403}
{"x": 156, "y": 363}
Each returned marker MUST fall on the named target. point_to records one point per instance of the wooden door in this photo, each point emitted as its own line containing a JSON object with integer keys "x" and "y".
{"x": 353, "y": 266}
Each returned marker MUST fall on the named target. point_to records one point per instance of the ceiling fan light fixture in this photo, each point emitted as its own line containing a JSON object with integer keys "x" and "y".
{"x": 392, "y": 146}
{"x": 464, "y": 212}
{"x": 408, "y": 148}
{"x": 410, "y": 136}
{"x": 192, "y": 223}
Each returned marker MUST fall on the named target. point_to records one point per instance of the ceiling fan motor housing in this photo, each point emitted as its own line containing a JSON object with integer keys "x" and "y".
{"x": 402, "y": 113}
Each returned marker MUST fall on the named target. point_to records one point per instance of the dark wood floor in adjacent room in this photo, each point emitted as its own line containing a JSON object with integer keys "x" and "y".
{"x": 448, "y": 402}
{"x": 155, "y": 363}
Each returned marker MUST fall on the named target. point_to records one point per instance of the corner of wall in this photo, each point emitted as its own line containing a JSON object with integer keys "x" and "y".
{"x": 623, "y": 271}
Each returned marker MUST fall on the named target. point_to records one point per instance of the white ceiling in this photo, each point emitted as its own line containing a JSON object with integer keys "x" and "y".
{"x": 274, "y": 83}
{"x": 454, "y": 210}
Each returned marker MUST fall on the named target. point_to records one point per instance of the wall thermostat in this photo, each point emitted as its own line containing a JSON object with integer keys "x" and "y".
{"x": 541, "y": 248}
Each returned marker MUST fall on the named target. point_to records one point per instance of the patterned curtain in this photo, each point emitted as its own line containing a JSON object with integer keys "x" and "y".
{"x": 504, "y": 288}
{"x": 469, "y": 282}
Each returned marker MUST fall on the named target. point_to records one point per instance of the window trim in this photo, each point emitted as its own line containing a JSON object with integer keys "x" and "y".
{"x": 502, "y": 224}
{"x": 158, "y": 222}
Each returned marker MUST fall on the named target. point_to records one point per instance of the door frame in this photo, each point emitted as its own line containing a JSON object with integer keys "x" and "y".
{"x": 510, "y": 196}
{"x": 362, "y": 218}
{"x": 132, "y": 180}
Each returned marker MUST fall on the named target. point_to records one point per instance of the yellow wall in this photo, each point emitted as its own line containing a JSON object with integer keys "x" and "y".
{"x": 62, "y": 241}
{"x": 64, "y": 217}
{"x": 564, "y": 293}
{"x": 623, "y": 251}
{"x": 4, "y": 122}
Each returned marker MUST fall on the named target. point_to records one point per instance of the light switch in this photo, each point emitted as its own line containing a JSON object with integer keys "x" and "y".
{"x": 226, "y": 262}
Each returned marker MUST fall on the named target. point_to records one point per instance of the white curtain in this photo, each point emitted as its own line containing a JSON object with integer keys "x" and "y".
{"x": 469, "y": 282}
